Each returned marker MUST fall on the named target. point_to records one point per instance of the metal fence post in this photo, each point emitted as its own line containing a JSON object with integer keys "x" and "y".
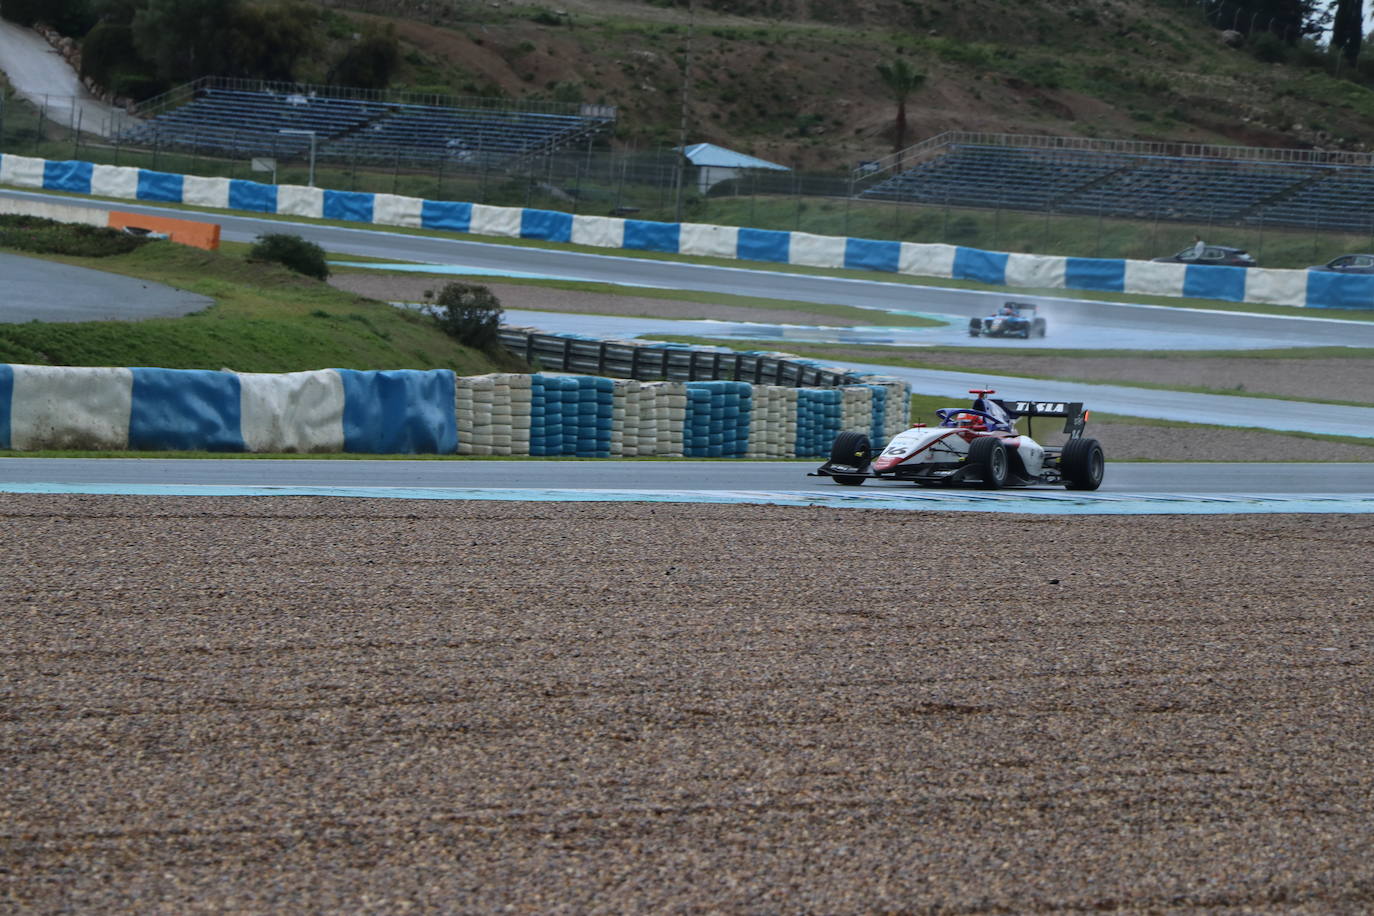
{"x": 848, "y": 203}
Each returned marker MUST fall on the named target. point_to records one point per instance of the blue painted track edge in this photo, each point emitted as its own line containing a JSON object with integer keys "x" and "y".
{"x": 1045, "y": 502}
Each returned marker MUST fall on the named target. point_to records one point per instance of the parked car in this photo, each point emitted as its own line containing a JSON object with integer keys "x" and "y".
{"x": 1348, "y": 264}
{"x": 1213, "y": 256}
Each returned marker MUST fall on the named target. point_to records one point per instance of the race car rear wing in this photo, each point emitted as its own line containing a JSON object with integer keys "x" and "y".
{"x": 1075, "y": 417}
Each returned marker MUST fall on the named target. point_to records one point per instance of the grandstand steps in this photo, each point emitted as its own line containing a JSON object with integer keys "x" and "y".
{"x": 241, "y": 118}
{"x": 1257, "y": 212}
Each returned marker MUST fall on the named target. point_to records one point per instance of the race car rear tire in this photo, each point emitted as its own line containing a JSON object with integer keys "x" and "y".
{"x": 988, "y": 458}
{"x": 1082, "y": 464}
{"x": 1040, "y": 327}
{"x": 852, "y": 449}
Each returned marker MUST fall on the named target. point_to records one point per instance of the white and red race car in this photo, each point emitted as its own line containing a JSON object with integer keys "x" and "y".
{"x": 977, "y": 445}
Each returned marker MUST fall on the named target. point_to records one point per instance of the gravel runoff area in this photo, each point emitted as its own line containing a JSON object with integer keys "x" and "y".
{"x": 1300, "y": 379}
{"x": 296, "y": 705}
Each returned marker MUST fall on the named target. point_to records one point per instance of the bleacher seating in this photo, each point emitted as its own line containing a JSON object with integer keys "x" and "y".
{"x": 470, "y": 136}
{"x": 1187, "y": 189}
{"x": 1334, "y": 198}
{"x": 239, "y": 122}
{"x": 1138, "y": 186}
{"x": 990, "y": 176}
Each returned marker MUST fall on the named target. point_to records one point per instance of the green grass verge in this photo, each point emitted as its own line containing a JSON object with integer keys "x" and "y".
{"x": 821, "y": 310}
{"x": 264, "y": 319}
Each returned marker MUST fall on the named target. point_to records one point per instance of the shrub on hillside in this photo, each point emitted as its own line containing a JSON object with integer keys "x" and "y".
{"x": 46, "y": 236}
{"x": 469, "y": 314}
{"x": 1269, "y": 48}
{"x": 292, "y": 252}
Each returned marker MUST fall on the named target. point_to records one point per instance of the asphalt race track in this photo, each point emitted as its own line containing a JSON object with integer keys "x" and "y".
{"x": 37, "y": 290}
{"x": 1226, "y": 330}
{"x": 1129, "y": 488}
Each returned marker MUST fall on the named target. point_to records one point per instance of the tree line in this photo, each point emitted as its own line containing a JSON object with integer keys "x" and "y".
{"x": 139, "y": 48}
{"x": 1294, "y": 20}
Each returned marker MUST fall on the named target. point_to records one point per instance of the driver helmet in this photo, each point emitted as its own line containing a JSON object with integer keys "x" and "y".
{"x": 1008, "y": 310}
{"x": 970, "y": 421}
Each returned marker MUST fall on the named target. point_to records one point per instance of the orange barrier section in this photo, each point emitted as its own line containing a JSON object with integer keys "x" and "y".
{"x": 197, "y": 235}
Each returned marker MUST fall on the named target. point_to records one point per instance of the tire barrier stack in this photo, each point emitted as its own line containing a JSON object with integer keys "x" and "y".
{"x": 549, "y": 415}
{"x": 1304, "y": 288}
{"x": 433, "y": 412}
{"x": 572, "y": 415}
{"x": 651, "y": 360}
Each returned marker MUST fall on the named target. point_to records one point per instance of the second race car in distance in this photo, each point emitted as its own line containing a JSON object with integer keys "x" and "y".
{"x": 1013, "y": 319}
{"x": 978, "y": 445}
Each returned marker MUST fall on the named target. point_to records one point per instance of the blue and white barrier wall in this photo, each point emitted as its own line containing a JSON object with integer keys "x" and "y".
{"x": 432, "y": 412}
{"x": 1303, "y": 288}
{"x": 329, "y": 410}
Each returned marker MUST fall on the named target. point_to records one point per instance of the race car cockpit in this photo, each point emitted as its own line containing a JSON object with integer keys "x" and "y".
{"x": 985, "y": 415}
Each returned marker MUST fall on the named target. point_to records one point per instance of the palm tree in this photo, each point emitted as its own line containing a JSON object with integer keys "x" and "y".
{"x": 901, "y": 79}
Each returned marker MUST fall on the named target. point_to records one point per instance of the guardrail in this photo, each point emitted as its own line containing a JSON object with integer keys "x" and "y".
{"x": 660, "y": 362}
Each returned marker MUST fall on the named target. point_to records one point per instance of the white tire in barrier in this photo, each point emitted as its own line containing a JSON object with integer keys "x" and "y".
{"x": 1155, "y": 279}
{"x": 22, "y": 171}
{"x": 114, "y": 181}
{"x": 503, "y": 222}
{"x": 205, "y": 192}
{"x": 705, "y": 240}
{"x": 299, "y": 412}
{"x": 598, "y": 231}
{"x": 1276, "y": 287}
{"x": 1035, "y": 270}
{"x": 64, "y": 407}
{"x": 817, "y": 250}
{"x": 926, "y": 259}
{"x": 296, "y": 200}
{"x": 394, "y": 210}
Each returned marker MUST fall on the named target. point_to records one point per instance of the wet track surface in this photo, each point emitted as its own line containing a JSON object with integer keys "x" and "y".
{"x": 1074, "y": 324}
{"x": 1130, "y": 489}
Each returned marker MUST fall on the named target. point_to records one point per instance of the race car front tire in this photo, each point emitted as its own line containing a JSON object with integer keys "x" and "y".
{"x": 1082, "y": 464}
{"x": 852, "y": 449}
{"x": 987, "y": 457}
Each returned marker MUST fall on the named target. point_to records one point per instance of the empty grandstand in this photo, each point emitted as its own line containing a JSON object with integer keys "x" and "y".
{"x": 242, "y": 118}
{"x": 1134, "y": 180}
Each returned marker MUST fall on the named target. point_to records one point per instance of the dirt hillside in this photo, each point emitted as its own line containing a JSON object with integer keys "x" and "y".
{"x": 796, "y": 81}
